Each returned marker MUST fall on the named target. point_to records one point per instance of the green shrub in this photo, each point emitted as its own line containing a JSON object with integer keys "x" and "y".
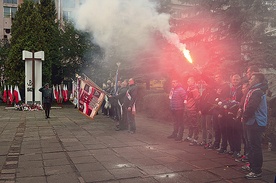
{"x": 156, "y": 105}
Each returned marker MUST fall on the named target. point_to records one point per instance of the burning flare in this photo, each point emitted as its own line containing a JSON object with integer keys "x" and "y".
{"x": 187, "y": 55}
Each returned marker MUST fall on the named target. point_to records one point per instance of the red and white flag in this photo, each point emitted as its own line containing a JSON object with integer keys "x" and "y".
{"x": 60, "y": 94}
{"x": 15, "y": 94}
{"x": 11, "y": 95}
{"x": 5, "y": 94}
{"x": 19, "y": 96}
{"x": 65, "y": 93}
{"x": 54, "y": 92}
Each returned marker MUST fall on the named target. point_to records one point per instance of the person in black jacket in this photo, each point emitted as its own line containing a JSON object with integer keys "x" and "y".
{"x": 205, "y": 105}
{"x": 129, "y": 104}
{"x": 121, "y": 112}
{"x": 47, "y": 99}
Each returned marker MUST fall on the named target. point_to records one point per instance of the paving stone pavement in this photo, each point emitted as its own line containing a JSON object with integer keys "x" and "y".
{"x": 71, "y": 148}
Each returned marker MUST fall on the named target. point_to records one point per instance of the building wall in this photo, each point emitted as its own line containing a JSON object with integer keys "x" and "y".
{"x": 64, "y": 10}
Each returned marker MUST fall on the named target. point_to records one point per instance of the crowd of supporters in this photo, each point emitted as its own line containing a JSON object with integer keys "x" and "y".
{"x": 231, "y": 115}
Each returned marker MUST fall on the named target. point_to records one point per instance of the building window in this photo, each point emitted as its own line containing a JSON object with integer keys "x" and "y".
{"x": 8, "y": 31}
{"x": 9, "y": 12}
{"x": 10, "y": 1}
{"x": 68, "y": 3}
{"x": 66, "y": 15}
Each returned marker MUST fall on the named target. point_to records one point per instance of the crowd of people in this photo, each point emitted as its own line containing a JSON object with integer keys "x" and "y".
{"x": 229, "y": 114}
{"x": 119, "y": 104}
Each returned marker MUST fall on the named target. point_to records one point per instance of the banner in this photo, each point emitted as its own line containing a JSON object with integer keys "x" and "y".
{"x": 90, "y": 98}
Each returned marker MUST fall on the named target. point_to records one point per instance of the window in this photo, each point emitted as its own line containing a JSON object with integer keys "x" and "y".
{"x": 10, "y": 1}
{"x": 9, "y": 11}
{"x": 66, "y": 15}
{"x": 8, "y": 31}
{"x": 68, "y": 3}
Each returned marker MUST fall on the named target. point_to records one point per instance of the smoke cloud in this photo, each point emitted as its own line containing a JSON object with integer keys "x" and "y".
{"x": 124, "y": 28}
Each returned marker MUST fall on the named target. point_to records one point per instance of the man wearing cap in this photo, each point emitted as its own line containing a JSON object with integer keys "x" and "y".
{"x": 47, "y": 98}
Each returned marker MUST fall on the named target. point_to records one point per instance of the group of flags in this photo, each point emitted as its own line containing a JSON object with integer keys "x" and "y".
{"x": 60, "y": 93}
{"x": 11, "y": 95}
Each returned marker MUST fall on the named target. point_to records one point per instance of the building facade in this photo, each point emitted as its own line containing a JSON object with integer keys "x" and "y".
{"x": 8, "y": 9}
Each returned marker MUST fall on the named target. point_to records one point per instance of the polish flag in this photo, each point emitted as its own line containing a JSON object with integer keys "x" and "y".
{"x": 11, "y": 95}
{"x": 65, "y": 93}
{"x": 54, "y": 92}
{"x": 15, "y": 94}
{"x": 5, "y": 94}
{"x": 19, "y": 96}
{"x": 60, "y": 94}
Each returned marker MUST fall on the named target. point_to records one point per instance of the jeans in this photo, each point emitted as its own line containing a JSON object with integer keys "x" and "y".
{"x": 178, "y": 126}
{"x": 192, "y": 124}
{"x": 207, "y": 128}
{"x": 255, "y": 154}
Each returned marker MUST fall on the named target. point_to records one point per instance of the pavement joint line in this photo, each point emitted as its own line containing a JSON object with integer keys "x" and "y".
{"x": 8, "y": 170}
{"x": 80, "y": 178}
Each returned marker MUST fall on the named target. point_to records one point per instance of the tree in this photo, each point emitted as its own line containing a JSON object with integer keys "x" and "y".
{"x": 34, "y": 29}
{"x": 80, "y": 54}
{"x": 228, "y": 31}
{"x": 52, "y": 72}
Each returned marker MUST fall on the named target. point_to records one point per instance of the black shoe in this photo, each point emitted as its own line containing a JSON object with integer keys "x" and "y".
{"x": 188, "y": 139}
{"x": 230, "y": 152}
{"x": 178, "y": 139}
{"x": 222, "y": 151}
{"x": 244, "y": 159}
{"x": 46, "y": 117}
{"x": 171, "y": 136}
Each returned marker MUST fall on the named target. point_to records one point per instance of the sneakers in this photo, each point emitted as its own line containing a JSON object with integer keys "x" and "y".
{"x": 237, "y": 155}
{"x": 193, "y": 143}
{"x": 222, "y": 151}
{"x": 244, "y": 159}
{"x": 230, "y": 152}
{"x": 253, "y": 175}
{"x": 171, "y": 136}
{"x": 202, "y": 143}
{"x": 178, "y": 139}
{"x": 187, "y": 139}
{"x": 246, "y": 167}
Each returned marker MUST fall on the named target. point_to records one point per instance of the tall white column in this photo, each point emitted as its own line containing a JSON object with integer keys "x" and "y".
{"x": 33, "y": 76}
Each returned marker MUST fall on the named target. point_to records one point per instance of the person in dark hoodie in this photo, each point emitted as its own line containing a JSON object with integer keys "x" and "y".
{"x": 255, "y": 118}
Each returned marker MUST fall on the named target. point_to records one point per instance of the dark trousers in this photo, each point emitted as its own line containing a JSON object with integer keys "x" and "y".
{"x": 131, "y": 120}
{"x": 224, "y": 127}
{"x": 193, "y": 124}
{"x": 178, "y": 126}
{"x": 207, "y": 128}
{"x": 216, "y": 121}
{"x": 123, "y": 119}
{"x": 255, "y": 154}
{"x": 47, "y": 107}
{"x": 244, "y": 139}
{"x": 235, "y": 136}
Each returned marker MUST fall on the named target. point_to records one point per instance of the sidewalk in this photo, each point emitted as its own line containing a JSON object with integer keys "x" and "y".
{"x": 71, "y": 148}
